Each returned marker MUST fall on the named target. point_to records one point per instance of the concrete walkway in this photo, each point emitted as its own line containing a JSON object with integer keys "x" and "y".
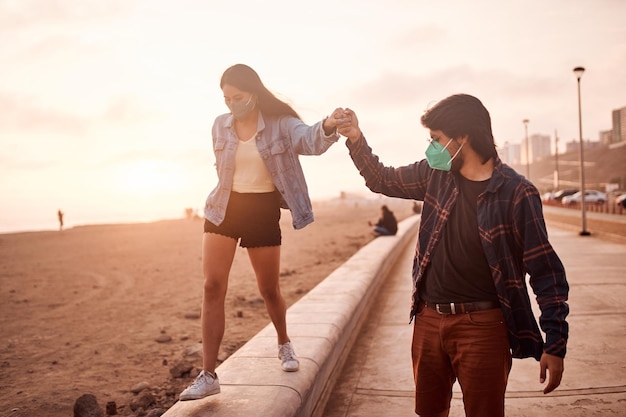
{"x": 377, "y": 378}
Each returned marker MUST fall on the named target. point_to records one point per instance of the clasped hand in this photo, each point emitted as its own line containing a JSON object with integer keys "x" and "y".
{"x": 346, "y": 123}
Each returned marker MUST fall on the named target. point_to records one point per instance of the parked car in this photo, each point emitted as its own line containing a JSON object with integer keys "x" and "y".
{"x": 591, "y": 197}
{"x": 558, "y": 196}
{"x": 620, "y": 200}
{"x": 546, "y": 197}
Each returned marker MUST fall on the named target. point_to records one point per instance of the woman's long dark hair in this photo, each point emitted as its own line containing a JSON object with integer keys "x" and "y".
{"x": 246, "y": 79}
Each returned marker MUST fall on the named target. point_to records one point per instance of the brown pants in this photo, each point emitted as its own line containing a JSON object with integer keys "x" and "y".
{"x": 473, "y": 348}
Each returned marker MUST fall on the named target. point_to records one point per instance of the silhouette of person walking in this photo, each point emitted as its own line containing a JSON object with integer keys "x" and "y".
{"x": 60, "y": 216}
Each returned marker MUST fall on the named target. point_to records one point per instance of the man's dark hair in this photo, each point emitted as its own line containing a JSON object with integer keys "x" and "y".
{"x": 460, "y": 115}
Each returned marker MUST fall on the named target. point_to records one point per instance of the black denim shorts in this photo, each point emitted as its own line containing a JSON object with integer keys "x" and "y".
{"x": 252, "y": 217}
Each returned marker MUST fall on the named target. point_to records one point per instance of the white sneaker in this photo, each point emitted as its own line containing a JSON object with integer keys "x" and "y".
{"x": 204, "y": 385}
{"x": 288, "y": 358}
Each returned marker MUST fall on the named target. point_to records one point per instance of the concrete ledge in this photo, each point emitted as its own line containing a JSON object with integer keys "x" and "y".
{"x": 323, "y": 326}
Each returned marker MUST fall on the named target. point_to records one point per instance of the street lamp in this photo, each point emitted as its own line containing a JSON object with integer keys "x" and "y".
{"x": 578, "y": 71}
{"x": 556, "y": 160}
{"x": 525, "y": 121}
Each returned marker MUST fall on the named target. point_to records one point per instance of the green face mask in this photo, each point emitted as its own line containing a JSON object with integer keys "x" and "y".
{"x": 438, "y": 156}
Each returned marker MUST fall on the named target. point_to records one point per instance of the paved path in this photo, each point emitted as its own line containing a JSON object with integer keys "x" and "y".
{"x": 377, "y": 379}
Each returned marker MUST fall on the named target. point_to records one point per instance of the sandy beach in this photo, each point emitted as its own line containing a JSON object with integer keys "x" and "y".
{"x": 100, "y": 309}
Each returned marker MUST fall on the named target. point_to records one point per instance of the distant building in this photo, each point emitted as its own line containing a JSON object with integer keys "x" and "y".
{"x": 619, "y": 125}
{"x": 573, "y": 146}
{"x": 510, "y": 153}
{"x": 538, "y": 148}
{"x": 606, "y": 137}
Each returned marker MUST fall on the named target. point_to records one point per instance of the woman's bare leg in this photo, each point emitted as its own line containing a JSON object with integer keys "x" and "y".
{"x": 266, "y": 264}
{"x": 218, "y": 253}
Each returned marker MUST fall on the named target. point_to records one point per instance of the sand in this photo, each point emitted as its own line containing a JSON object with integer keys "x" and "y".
{"x": 81, "y": 310}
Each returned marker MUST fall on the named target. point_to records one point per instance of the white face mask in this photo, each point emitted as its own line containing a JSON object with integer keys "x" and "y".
{"x": 240, "y": 109}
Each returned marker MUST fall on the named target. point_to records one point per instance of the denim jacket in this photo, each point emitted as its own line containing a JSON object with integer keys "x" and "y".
{"x": 279, "y": 141}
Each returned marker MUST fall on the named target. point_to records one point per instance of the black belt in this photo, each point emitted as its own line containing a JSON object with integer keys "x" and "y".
{"x": 461, "y": 308}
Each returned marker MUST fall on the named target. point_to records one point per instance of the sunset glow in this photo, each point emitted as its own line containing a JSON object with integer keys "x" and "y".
{"x": 148, "y": 177}
{"x": 106, "y": 107}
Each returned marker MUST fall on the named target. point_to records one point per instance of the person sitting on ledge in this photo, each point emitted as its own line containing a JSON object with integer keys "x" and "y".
{"x": 387, "y": 225}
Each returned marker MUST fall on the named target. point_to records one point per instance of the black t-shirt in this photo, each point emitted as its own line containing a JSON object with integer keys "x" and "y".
{"x": 459, "y": 271}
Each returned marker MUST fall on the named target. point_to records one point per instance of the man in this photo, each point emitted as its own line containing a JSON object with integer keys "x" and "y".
{"x": 482, "y": 230}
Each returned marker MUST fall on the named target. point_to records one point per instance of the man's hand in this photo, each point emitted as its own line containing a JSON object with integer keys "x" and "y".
{"x": 334, "y": 120}
{"x": 349, "y": 127}
{"x": 554, "y": 366}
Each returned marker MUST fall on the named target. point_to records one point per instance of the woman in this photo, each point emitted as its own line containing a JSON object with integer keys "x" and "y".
{"x": 256, "y": 149}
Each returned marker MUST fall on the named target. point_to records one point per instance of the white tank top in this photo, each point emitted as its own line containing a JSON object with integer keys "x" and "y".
{"x": 251, "y": 175}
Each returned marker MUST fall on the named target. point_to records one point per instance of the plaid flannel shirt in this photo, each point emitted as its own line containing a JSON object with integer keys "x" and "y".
{"x": 514, "y": 238}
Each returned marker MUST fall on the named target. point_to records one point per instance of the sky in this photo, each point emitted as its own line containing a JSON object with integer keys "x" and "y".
{"x": 106, "y": 106}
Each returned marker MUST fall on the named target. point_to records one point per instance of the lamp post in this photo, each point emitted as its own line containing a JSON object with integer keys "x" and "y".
{"x": 525, "y": 121}
{"x": 578, "y": 71}
{"x": 556, "y": 160}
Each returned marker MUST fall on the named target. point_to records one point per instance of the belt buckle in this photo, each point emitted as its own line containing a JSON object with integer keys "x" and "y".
{"x": 452, "y": 309}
